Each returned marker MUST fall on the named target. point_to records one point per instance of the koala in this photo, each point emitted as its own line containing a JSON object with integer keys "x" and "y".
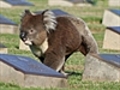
{"x": 53, "y": 39}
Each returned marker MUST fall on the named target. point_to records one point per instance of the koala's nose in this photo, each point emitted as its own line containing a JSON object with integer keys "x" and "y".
{"x": 23, "y": 36}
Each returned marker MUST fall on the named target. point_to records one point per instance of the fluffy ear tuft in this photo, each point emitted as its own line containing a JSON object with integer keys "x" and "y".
{"x": 49, "y": 20}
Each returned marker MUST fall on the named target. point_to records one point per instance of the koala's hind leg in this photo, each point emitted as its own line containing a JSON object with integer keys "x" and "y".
{"x": 54, "y": 61}
{"x": 91, "y": 44}
{"x": 88, "y": 45}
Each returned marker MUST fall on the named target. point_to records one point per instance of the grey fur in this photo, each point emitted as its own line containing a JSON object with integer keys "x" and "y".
{"x": 49, "y": 20}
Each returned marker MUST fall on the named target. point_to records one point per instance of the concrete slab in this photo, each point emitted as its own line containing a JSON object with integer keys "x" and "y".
{"x": 12, "y": 3}
{"x": 114, "y": 2}
{"x": 111, "y": 18}
{"x": 7, "y": 26}
{"x": 112, "y": 38}
{"x": 4, "y": 20}
{"x": 27, "y": 72}
{"x": 57, "y": 13}
{"x": 3, "y": 48}
{"x": 102, "y": 67}
{"x": 22, "y": 46}
{"x": 68, "y": 3}
{"x": 117, "y": 12}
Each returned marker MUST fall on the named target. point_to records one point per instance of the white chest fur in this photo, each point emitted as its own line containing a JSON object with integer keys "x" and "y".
{"x": 40, "y": 50}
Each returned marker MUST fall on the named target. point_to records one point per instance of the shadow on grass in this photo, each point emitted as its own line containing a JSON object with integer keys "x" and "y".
{"x": 17, "y": 47}
{"x": 71, "y": 73}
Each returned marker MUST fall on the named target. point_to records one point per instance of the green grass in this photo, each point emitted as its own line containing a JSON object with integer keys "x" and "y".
{"x": 91, "y": 15}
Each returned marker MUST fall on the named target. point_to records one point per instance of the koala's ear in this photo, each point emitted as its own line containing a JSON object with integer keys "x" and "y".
{"x": 25, "y": 14}
{"x": 27, "y": 11}
{"x": 49, "y": 20}
{"x": 43, "y": 12}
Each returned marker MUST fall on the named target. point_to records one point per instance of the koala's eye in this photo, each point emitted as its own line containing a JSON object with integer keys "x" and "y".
{"x": 31, "y": 31}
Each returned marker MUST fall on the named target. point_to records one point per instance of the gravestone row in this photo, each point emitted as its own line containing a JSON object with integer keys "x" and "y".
{"x": 27, "y": 72}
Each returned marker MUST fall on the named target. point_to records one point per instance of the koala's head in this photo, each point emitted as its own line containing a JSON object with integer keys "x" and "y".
{"x": 34, "y": 27}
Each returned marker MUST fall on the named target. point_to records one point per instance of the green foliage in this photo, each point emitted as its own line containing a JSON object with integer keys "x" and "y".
{"x": 91, "y": 15}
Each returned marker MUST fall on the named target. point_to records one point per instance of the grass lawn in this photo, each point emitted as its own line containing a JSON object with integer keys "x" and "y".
{"x": 91, "y": 15}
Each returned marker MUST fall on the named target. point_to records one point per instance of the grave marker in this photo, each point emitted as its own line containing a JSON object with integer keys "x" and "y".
{"x": 11, "y": 3}
{"x": 114, "y": 2}
{"x": 7, "y": 26}
{"x": 112, "y": 38}
{"x": 102, "y": 67}
{"x": 111, "y": 18}
{"x": 3, "y": 48}
{"x": 68, "y": 3}
{"x": 27, "y": 72}
{"x": 22, "y": 45}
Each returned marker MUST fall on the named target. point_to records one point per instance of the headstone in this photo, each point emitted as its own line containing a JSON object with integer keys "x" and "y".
{"x": 3, "y": 48}
{"x": 11, "y": 3}
{"x": 111, "y": 18}
{"x": 68, "y": 3}
{"x": 112, "y": 38}
{"x": 114, "y": 2}
{"x": 7, "y": 26}
{"x": 57, "y": 13}
{"x": 27, "y": 72}
{"x": 22, "y": 46}
{"x": 102, "y": 67}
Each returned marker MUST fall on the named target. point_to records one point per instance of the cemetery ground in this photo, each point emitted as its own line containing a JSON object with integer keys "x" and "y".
{"x": 92, "y": 16}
